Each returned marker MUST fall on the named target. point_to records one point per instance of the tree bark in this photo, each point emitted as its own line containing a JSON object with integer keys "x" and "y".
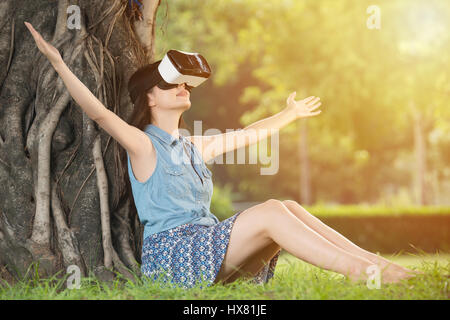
{"x": 62, "y": 193}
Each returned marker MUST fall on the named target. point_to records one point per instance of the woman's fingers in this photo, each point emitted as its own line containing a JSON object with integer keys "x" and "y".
{"x": 314, "y": 107}
{"x": 46, "y": 48}
{"x": 37, "y": 36}
{"x": 306, "y": 100}
{"x": 314, "y": 113}
{"x": 291, "y": 98}
{"x": 312, "y": 102}
{"x": 28, "y": 25}
{"x": 33, "y": 32}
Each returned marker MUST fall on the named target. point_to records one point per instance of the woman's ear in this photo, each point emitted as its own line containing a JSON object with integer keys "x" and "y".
{"x": 151, "y": 99}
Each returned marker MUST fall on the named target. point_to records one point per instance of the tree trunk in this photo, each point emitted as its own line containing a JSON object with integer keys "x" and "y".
{"x": 305, "y": 180}
{"x": 63, "y": 199}
{"x": 422, "y": 191}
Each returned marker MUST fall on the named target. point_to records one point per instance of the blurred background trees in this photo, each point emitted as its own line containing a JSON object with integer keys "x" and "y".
{"x": 383, "y": 134}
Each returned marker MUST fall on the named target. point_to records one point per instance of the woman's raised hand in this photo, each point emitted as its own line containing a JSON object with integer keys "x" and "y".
{"x": 303, "y": 108}
{"x": 46, "y": 48}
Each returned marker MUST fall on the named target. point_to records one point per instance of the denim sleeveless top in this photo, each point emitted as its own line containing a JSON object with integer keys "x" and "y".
{"x": 180, "y": 189}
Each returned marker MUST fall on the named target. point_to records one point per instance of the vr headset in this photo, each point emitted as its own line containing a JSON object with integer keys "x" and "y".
{"x": 175, "y": 68}
{"x": 184, "y": 67}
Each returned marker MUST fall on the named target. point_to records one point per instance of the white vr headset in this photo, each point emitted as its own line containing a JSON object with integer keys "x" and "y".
{"x": 175, "y": 68}
{"x": 184, "y": 67}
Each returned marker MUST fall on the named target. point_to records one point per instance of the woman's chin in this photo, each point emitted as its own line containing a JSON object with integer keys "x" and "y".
{"x": 187, "y": 104}
{"x": 182, "y": 103}
{"x": 182, "y": 106}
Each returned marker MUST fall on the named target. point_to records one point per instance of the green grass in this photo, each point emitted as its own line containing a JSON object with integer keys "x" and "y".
{"x": 293, "y": 279}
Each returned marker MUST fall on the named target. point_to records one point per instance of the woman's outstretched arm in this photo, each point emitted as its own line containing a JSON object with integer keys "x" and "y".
{"x": 129, "y": 137}
{"x": 214, "y": 145}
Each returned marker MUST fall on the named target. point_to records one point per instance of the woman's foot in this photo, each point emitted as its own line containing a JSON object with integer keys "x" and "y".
{"x": 401, "y": 271}
{"x": 389, "y": 273}
{"x": 394, "y": 275}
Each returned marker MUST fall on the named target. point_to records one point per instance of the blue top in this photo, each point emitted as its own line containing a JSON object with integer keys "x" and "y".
{"x": 180, "y": 189}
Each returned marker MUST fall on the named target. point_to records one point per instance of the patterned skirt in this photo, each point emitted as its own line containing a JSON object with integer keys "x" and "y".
{"x": 191, "y": 254}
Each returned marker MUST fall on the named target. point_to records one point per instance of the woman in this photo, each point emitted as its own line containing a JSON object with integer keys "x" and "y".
{"x": 183, "y": 239}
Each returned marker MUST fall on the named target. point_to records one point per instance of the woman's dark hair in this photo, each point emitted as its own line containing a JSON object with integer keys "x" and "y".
{"x": 141, "y": 115}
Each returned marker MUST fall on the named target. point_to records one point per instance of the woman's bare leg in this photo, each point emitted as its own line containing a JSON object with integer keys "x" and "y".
{"x": 254, "y": 263}
{"x": 241, "y": 235}
{"x": 259, "y": 226}
{"x": 335, "y": 237}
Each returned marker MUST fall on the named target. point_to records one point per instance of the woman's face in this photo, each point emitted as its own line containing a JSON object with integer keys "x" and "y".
{"x": 175, "y": 98}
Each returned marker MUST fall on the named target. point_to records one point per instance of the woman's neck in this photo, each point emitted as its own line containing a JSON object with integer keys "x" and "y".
{"x": 169, "y": 127}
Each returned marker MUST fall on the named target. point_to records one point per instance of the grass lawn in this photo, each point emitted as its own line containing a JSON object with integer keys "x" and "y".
{"x": 293, "y": 280}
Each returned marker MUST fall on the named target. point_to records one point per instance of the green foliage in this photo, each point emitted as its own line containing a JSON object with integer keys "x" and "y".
{"x": 361, "y": 146}
{"x": 221, "y": 205}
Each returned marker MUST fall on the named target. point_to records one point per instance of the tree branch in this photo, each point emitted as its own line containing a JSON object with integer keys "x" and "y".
{"x": 109, "y": 254}
{"x": 145, "y": 28}
{"x": 102, "y": 183}
{"x": 41, "y": 223}
{"x": 66, "y": 238}
{"x": 61, "y": 20}
{"x": 11, "y": 50}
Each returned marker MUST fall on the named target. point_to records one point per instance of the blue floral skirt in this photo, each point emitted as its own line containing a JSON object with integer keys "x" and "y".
{"x": 191, "y": 254}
